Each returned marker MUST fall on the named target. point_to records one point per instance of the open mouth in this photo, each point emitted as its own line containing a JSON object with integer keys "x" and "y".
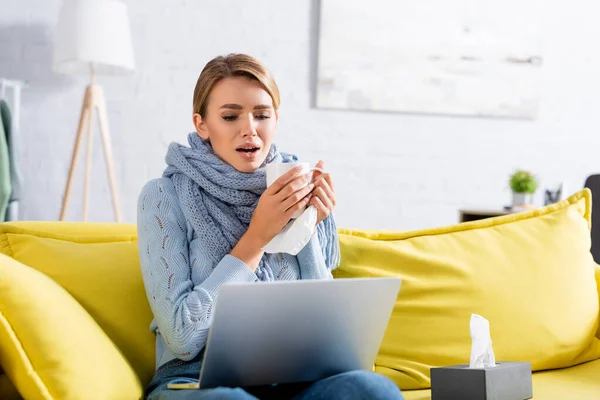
{"x": 249, "y": 150}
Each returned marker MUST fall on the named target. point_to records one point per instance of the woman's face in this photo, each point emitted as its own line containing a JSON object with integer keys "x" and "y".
{"x": 240, "y": 122}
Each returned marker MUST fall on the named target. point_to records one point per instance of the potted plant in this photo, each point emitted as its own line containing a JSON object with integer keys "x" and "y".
{"x": 523, "y": 185}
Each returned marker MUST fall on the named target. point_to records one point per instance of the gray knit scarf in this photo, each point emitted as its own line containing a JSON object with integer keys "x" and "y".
{"x": 219, "y": 200}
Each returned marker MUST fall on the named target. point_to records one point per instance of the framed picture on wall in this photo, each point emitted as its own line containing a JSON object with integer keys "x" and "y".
{"x": 478, "y": 58}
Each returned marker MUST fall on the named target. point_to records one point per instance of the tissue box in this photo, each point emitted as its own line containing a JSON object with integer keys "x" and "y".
{"x": 505, "y": 381}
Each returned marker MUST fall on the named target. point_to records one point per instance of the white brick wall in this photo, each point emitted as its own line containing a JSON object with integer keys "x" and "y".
{"x": 392, "y": 171}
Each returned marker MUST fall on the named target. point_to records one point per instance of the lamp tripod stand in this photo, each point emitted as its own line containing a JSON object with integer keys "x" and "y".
{"x": 93, "y": 100}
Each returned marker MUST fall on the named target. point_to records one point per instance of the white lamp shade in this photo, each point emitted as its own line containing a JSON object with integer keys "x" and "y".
{"x": 93, "y": 33}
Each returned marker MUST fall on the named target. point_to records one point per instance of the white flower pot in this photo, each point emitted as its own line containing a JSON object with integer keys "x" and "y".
{"x": 520, "y": 199}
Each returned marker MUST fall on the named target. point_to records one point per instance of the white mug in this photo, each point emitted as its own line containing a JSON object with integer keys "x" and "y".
{"x": 275, "y": 170}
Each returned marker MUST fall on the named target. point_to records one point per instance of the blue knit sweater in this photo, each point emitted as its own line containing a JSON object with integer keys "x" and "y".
{"x": 182, "y": 283}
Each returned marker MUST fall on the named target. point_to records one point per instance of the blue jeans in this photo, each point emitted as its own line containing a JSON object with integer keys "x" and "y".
{"x": 348, "y": 385}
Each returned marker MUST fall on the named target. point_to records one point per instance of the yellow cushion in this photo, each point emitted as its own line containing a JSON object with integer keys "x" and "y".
{"x": 531, "y": 274}
{"x": 98, "y": 264}
{"x": 50, "y": 347}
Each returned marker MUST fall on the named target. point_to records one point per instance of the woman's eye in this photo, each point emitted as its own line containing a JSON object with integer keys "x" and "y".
{"x": 229, "y": 117}
{"x": 263, "y": 116}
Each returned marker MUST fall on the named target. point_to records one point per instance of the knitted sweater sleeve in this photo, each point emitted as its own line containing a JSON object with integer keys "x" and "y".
{"x": 321, "y": 254}
{"x": 182, "y": 309}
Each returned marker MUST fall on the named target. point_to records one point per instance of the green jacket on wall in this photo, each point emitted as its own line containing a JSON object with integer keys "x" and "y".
{"x": 5, "y": 185}
{"x": 12, "y": 210}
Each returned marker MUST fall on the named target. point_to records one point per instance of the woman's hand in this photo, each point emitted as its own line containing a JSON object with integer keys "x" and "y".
{"x": 278, "y": 204}
{"x": 323, "y": 195}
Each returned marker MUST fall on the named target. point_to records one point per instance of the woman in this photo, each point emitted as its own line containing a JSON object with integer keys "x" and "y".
{"x": 205, "y": 221}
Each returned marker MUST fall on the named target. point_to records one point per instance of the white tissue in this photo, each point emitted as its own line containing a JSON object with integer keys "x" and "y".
{"x": 482, "y": 354}
{"x": 295, "y": 235}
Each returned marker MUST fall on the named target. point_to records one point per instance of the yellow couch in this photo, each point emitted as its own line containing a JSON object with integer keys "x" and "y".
{"x": 68, "y": 289}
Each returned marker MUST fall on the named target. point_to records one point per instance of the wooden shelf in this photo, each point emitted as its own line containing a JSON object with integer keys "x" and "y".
{"x": 467, "y": 215}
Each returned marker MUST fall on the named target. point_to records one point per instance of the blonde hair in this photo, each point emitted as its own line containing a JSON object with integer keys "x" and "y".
{"x": 232, "y": 65}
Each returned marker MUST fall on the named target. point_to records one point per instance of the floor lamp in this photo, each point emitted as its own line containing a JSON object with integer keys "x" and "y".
{"x": 93, "y": 37}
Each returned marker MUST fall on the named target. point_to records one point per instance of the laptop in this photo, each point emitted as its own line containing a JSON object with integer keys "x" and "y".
{"x": 295, "y": 331}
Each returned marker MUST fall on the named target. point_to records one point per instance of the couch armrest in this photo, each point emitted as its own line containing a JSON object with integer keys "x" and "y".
{"x": 598, "y": 286}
